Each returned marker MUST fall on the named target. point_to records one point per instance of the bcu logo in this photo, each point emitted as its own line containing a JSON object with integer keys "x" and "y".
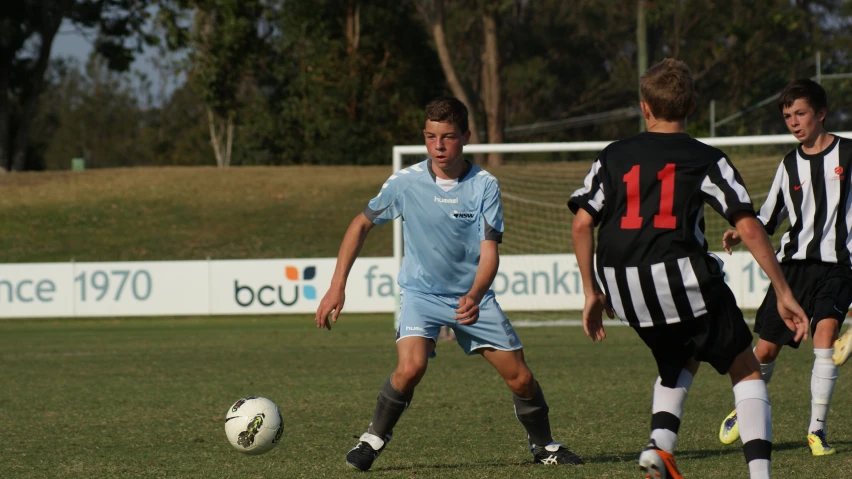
{"x": 286, "y": 294}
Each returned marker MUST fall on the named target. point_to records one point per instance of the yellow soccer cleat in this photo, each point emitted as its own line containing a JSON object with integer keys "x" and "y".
{"x": 842, "y": 348}
{"x": 730, "y": 430}
{"x": 819, "y": 445}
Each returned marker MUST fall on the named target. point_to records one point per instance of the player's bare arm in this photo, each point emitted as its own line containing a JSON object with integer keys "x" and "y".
{"x": 489, "y": 262}
{"x": 752, "y": 233}
{"x": 353, "y": 240}
{"x": 583, "y": 233}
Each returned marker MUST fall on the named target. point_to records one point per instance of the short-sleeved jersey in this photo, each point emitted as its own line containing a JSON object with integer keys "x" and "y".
{"x": 647, "y": 195}
{"x": 813, "y": 192}
{"x": 442, "y": 230}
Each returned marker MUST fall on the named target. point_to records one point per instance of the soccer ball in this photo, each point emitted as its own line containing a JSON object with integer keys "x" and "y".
{"x": 254, "y": 425}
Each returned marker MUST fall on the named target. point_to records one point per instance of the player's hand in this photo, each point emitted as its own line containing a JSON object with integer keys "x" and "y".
{"x": 468, "y": 311}
{"x": 793, "y": 316}
{"x": 331, "y": 303}
{"x": 730, "y": 239}
{"x": 593, "y": 311}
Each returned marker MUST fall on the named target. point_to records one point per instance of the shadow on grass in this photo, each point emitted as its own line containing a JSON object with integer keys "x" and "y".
{"x": 457, "y": 466}
{"x": 701, "y": 453}
{"x": 625, "y": 457}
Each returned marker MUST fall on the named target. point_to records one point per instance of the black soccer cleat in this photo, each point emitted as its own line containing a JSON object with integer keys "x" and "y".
{"x": 554, "y": 453}
{"x": 369, "y": 447}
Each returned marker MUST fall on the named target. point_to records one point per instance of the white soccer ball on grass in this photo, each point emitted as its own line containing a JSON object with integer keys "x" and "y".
{"x": 254, "y": 425}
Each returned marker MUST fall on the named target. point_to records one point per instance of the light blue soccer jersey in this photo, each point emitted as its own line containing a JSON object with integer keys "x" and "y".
{"x": 441, "y": 229}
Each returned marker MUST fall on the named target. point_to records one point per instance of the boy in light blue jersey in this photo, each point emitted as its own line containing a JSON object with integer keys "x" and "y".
{"x": 452, "y": 222}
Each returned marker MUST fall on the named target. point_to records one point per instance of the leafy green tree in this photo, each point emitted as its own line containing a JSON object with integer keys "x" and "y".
{"x": 27, "y": 31}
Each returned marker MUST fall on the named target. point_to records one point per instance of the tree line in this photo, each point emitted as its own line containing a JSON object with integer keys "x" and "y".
{"x": 272, "y": 82}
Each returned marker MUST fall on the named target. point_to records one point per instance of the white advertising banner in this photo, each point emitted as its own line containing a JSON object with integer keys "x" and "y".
{"x": 33, "y": 290}
{"x": 283, "y": 286}
{"x": 154, "y": 288}
{"x": 538, "y": 282}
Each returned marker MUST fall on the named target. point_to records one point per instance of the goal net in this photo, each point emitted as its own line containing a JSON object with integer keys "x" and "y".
{"x": 536, "y": 181}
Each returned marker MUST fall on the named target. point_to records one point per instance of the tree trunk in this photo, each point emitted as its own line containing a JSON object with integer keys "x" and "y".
{"x": 215, "y": 140}
{"x": 353, "y": 25}
{"x": 436, "y": 24}
{"x": 678, "y": 20}
{"x": 353, "y": 38}
{"x": 491, "y": 91}
{"x": 229, "y": 142}
{"x": 30, "y": 98}
{"x": 5, "y": 154}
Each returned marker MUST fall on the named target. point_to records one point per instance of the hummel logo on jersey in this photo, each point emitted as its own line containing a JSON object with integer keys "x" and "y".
{"x": 446, "y": 200}
{"x": 464, "y": 216}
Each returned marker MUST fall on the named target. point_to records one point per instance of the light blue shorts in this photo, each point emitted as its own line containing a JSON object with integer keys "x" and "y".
{"x": 423, "y": 315}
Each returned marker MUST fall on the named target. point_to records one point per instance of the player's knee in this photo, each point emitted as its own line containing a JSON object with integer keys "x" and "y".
{"x": 826, "y": 331}
{"x": 766, "y": 352}
{"x": 522, "y": 382}
{"x": 410, "y": 372}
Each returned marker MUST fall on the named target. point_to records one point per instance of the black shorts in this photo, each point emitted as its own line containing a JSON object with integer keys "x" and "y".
{"x": 717, "y": 337}
{"x": 824, "y": 290}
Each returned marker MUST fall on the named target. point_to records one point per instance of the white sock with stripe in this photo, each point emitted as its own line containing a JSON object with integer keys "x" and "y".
{"x": 823, "y": 379}
{"x": 667, "y": 410}
{"x": 755, "y": 419}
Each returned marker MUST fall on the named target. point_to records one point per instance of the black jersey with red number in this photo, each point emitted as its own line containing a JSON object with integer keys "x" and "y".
{"x": 647, "y": 195}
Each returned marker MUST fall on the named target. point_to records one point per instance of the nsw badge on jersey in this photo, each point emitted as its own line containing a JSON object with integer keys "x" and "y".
{"x": 466, "y": 216}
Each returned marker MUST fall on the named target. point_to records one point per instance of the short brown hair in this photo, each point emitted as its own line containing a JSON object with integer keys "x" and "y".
{"x": 667, "y": 89}
{"x": 448, "y": 110}
{"x": 805, "y": 88}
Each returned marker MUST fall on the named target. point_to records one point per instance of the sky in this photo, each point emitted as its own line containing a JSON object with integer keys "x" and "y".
{"x": 72, "y": 42}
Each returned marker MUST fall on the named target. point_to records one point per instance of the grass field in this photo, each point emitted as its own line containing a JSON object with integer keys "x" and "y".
{"x": 146, "y": 398}
{"x": 144, "y": 214}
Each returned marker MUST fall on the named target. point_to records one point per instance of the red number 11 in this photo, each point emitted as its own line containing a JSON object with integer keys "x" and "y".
{"x": 663, "y": 220}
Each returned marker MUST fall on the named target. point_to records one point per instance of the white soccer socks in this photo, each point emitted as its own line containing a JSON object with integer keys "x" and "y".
{"x": 823, "y": 379}
{"x": 755, "y": 422}
{"x": 667, "y": 410}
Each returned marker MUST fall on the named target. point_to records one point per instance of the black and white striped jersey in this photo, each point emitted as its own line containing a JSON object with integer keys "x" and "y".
{"x": 813, "y": 192}
{"x": 647, "y": 195}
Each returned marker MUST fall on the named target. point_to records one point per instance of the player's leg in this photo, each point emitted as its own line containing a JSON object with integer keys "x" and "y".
{"x": 393, "y": 399}
{"x": 754, "y": 413}
{"x": 830, "y": 305}
{"x": 416, "y": 337}
{"x": 823, "y": 379}
{"x": 676, "y": 369}
{"x": 773, "y": 335}
{"x": 531, "y": 408}
{"x": 725, "y": 343}
{"x": 667, "y": 406}
{"x": 843, "y": 348}
{"x": 494, "y": 337}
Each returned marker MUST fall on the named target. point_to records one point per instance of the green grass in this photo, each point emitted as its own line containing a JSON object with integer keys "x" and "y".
{"x": 146, "y": 398}
{"x": 185, "y": 213}
{"x": 144, "y": 214}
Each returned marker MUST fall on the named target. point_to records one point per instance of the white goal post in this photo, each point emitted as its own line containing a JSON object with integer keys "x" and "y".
{"x": 765, "y": 170}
